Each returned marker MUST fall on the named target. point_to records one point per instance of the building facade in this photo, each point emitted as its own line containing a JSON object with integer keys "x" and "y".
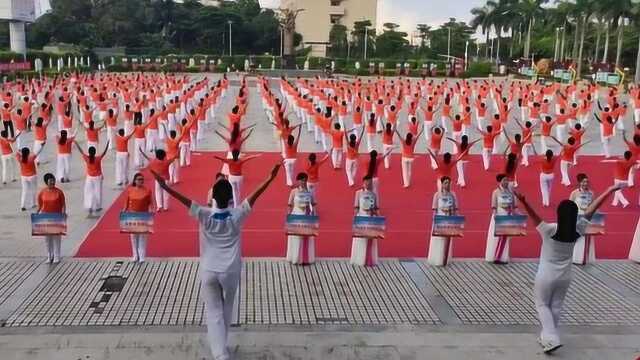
{"x": 315, "y": 22}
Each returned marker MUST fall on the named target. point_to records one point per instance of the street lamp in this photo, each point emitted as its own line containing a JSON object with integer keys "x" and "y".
{"x": 555, "y": 51}
{"x": 230, "y": 22}
{"x": 449, "y": 41}
{"x": 466, "y": 54}
{"x": 366, "y": 29}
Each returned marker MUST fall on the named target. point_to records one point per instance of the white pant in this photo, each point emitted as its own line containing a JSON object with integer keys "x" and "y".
{"x": 550, "y": 291}
{"x": 618, "y": 196}
{"x": 297, "y": 253}
{"x": 486, "y": 158}
{"x": 218, "y": 290}
{"x": 139, "y": 246}
{"x": 564, "y": 170}
{"x": 632, "y": 174}
{"x": 351, "y": 168}
{"x": 387, "y": 159}
{"x": 162, "y": 197}
{"x": 336, "y": 157}
{"x": 185, "y": 154}
{"x": 37, "y": 145}
{"x": 122, "y": 167}
{"x": 584, "y": 251}
{"x": 406, "y": 171}
{"x": 174, "y": 172}
{"x": 236, "y": 185}
{"x": 634, "y": 251}
{"x": 546, "y": 180}
{"x": 62, "y": 166}
{"x": 152, "y": 140}
{"x": 111, "y": 131}
{"x": 8, "y": 167}
{"x": 497, "y": 248}
{"x": 28, "y": 196}
{"x": 138, "y": 159}
{"x": 525, "y": 154}
{"x": 53, "y": 247}
{"x": 370, "y": 142}
{"x": 289, "y": 167}
{"x": 359, "y": 251}
{"x": 561, "y": 132}
{"x": 440, "y": 250}
{"x": 93, "y": 192}
{"x": 460, "y": 168}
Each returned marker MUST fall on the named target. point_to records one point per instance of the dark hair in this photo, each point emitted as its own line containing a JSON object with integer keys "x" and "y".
{"x": 160, "y": 154}
{"x": 512, "y": 162}
{"x": 499, "y": 177}
{"x": 367, "y": 177}
{"x": 581, "y": 177}
{"x": 312, "y": 158}
{"x": 567, "y": 213}
{"x": 302, "y": 176}
{"x": 138, "y": 174}
{"x": 48, "y": 176}
{"x": 222, "y": 193}
{"x": 444, "y": 178}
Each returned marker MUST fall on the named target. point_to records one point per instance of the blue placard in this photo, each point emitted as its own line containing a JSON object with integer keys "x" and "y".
{"x": 136, "y": 222}
{"x": 302, "y": 225}
{"x": 510, "y": 225}
{"x": 43, "y": 224}
{"x": 369, "y": 226}
{"x": 448, "y": 225}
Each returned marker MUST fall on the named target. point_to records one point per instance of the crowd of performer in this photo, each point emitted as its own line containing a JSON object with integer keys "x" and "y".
{"x": 168, "y": 116}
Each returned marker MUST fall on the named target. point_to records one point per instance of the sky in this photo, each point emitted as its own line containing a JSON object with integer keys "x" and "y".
{"x": 409, "y": 13}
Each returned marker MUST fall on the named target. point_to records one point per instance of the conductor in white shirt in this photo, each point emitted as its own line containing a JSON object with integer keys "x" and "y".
{"x": 220, "y": 258}
{"x": 554, "y": 270}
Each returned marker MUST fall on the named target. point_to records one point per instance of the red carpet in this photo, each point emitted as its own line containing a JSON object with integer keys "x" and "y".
{"x": 407, "y": 210}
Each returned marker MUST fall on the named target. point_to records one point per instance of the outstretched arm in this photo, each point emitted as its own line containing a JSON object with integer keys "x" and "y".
{"x": 527, "y": 207}
{"x": 588, "y": 214}
{"x": 163, "y": 184}
{"x": 262, "y": 187}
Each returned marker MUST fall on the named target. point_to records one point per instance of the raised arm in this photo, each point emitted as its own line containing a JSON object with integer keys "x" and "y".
{"x": 106, "y": 148}
{"x": 535, "y": 218}
{"x": 178, "y": 196}
{"x": 588, "y": 214}
{"x": 262, "y": 187}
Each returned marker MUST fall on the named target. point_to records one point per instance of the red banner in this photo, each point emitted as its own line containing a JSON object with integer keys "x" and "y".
{"x": 15, "y": 66}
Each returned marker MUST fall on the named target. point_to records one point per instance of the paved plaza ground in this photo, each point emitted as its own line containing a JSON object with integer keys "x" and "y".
{"x": 404, "y": 309}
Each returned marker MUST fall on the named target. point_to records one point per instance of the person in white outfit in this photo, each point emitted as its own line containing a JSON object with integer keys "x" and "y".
{"x": 220, "y": 258}
{"x": 301, "y": 249}
{"x": 502, "y": 203}
{"x": 445, "y": 203}
{"x": 584, "y": 251}
{"x": 364, "y": 251}
{"x": 554, "y": 270}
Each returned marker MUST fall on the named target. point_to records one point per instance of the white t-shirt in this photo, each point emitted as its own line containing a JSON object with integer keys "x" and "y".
{"x": 556, "y": 255}
{"x": 219, "y": 236}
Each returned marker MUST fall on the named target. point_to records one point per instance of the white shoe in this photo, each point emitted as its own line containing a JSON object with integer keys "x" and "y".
{"x": 550, "y": 347}
{"x": 56, "y": 260}
{"x": 134, "y": 259}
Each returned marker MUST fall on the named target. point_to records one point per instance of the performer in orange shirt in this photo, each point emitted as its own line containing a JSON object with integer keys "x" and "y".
{"x": 313, "y": 170}
{"x": 122, "y": 157}
{"x": 8, "y": 162}
{"x": 51, "y": 200}
{"x": 93, "y": 179}
{"x": 138, "y": 199}
{"x": 160, "y": 165}
{"x": 27, "y": 163}
{"x": 351, "y": 163}
{"x": 547, "y": 169}
{"x": 64, "y": 142}
{"x": 291, "y": 152}
{"x": 235, "y": 172}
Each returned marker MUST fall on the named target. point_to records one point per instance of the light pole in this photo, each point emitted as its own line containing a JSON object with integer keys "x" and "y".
{"x": 230, "y": 22}
{"x": 366, "y": 29}
{"x": 449, "y": 41}
{"x": 555, "y": 51}
{"x": 281, "y": 41}
{"x": 348, "y": 45}
{"x": 466, "y": 54}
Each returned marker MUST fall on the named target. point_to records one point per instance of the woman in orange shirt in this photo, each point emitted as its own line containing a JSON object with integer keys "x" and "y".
{"x": 337, "y": 145}
{"x": 8, "y": 164}
{"x": 27, "y": 163}
{"x": 93, "y": 180}
{"x": 138, "y": 199}
{"x": 291, "y": 152}
{"x": 547, "y": 168}
{"x": 313, "y": 170}
{"x": 408, "y": 148}
{"x": 39, "y": 136}
{"x": 351, "y": 162}
{"x": 51, "y": 200}
{"x": 235, "y": 172}
{"x": 64, "y": 142}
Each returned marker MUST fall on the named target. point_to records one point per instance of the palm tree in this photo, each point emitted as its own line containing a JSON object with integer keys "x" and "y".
{"x": 481, "y": 20}
{"x": 529, "y": 10}
{"x": 636, "y": 19}
{"x": 620, "y": 10}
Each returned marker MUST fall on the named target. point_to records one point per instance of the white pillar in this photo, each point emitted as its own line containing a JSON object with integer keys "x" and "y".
{"x": 18, "y": 37}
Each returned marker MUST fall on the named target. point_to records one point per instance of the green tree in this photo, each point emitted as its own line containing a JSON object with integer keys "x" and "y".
{"x": 392, "y": 43}
{"x": 460, "y": 34}
{"x": 338, "y": 40}
{"x": 360, "y": 29}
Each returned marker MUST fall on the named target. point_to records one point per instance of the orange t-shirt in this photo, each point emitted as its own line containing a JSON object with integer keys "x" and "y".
{"x": 51, "y": 200}
{"x": 66, "y": 147}
{"x": 548, "y": 166}
{"x": 93, "y": 168}
{"x": 138, "y": 199}
{"x": 27, "y": 168}
{"x": 621, "y": 171}
{"x": 122, "y": 144}
{"x": 5, "y": 146}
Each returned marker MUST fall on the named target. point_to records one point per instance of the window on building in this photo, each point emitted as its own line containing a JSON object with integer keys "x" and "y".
{"x": 335, "y": 19}
{"x": 335, "y": 2}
